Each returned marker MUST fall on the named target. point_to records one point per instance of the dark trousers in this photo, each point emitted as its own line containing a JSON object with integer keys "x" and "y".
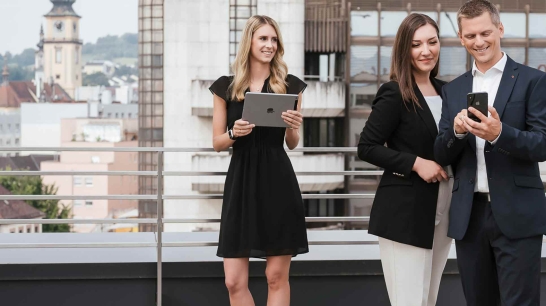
{"x": 496, "y": 270}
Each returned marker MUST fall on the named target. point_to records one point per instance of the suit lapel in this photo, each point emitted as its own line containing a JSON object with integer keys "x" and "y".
{"x": 467, "y": 88}
{"x": 509, "y": 77}
{"x": 425, "y": 114}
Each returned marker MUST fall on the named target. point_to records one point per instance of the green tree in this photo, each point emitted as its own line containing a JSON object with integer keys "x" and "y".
{"x": 26, "y": 58}
{"x": 33, "y": 185}
{"x": 16, "y": 73}
{"x": 95, "y": 79}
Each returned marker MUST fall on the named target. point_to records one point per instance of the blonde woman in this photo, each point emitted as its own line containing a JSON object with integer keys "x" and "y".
{"x": 262, "y": 210}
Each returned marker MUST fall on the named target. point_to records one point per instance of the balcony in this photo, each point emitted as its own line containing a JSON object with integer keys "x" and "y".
{"x": 320, "y": 99}
{"x": 180, "y": 268}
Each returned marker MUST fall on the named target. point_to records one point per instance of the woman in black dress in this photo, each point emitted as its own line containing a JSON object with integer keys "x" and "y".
{"x": 262, "y": 211}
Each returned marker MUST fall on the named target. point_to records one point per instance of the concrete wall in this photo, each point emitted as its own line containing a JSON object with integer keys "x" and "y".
{"x": 196, "y": 47}
{"x": 290, "y": 15}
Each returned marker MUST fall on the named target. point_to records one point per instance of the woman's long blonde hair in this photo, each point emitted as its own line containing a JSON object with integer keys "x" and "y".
{"x": 241, "y": 65}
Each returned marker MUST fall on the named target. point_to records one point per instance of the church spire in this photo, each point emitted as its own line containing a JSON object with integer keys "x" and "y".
{"x": 5, "y": 75}
{"x": 40, "y": 44}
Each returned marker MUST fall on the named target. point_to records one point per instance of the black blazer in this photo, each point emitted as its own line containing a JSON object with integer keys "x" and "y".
{"x": 515, "y": 186}
{"x": 404, "y": 208}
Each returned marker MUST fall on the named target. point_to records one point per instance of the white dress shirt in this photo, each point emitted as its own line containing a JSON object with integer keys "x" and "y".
{"x": 488, "y": 82}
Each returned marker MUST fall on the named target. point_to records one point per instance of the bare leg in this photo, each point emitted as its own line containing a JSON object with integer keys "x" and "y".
{"x": 277, "y": 271}
{"x": 236, "y": 270}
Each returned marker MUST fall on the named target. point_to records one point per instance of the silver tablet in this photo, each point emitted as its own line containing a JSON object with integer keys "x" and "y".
{"x": 265, "y": 109}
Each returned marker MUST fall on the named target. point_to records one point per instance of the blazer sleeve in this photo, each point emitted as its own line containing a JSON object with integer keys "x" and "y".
{"x": 447, "y": 146}
{"x": 382, "y": 123}
{"x": 530, "y": 144}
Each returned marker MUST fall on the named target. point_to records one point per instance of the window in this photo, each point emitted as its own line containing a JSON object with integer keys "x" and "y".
{"x": 239, "y": 12}
{"x": 28, "y": 230}
{"x": 58, "y": 55}
{"x": 88, "y": 203}
{"x": 37, "y": 229}
{"x": 8, "y": 142}
{"x": 17, "y": 126}
{"x": 364, "y": 23}
{"x": 77, "y": 56}
{"x": 88, "y": 181}
{"x": 9, "y": 126}
{"x": 77, "y": 181}
{"x": 323, "y": 132}
{"x": 390, "y": 21}
{"x": 58, "y": 76}
{"x": 12, "y": 231}
{"x": 16, "y": 141}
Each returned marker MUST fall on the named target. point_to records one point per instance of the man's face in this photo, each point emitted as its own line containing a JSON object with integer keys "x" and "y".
{"x": 481, "y": 38}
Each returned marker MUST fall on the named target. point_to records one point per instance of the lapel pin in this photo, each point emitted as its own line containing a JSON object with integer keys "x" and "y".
{"x": 512, "y": 77}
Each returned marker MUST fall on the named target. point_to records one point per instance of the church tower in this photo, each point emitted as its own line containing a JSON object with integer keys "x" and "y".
{"x": 39, "y": 78}
{"x": 62, "y": 47}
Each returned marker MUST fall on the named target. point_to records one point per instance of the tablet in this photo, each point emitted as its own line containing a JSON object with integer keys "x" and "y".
{"x": 265, "y": 109}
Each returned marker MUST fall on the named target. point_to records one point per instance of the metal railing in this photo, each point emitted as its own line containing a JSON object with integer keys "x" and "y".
{"x": 160, "y": 197}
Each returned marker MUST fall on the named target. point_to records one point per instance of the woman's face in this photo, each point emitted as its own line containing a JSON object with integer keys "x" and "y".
{"x": 264, "y": 44}
{"x": 425, "y": 49}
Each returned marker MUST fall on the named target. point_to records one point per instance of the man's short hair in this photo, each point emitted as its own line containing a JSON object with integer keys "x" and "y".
{"x": 475, "y": 8}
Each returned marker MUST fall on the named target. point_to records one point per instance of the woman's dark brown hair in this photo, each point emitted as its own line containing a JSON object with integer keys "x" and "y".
{"x": 401, "y": 65}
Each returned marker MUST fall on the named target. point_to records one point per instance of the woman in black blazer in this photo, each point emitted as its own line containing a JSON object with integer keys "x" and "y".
{"x": 409, "y": 213}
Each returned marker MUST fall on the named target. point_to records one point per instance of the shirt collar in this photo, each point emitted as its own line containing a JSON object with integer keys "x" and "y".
{"x": 498, "y": 66}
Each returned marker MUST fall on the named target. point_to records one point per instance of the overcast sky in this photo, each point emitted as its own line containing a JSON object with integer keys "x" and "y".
{"x": 20, "y": 20}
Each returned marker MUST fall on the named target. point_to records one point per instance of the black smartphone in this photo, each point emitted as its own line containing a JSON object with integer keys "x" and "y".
{"x": 479, "y": 101}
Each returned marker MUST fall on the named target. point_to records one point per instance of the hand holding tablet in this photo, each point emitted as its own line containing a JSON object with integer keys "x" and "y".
{"x": 266, "y": 109}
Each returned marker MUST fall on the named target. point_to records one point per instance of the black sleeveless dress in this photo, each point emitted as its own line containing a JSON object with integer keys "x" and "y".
{"x": 262, "y": 209}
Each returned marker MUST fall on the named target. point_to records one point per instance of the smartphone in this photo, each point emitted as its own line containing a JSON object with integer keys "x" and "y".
{"x": 479, "y": 101}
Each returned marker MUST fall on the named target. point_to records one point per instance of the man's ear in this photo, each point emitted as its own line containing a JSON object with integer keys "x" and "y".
{"x": 460, "y": 37}
{"x": 501, "y": 29}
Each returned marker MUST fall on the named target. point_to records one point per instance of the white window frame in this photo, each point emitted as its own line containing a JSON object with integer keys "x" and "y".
{"x": 77, "y": 181}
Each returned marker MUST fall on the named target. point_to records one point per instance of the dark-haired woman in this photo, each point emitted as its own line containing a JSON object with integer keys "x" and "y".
{"x": 411, "y": 205}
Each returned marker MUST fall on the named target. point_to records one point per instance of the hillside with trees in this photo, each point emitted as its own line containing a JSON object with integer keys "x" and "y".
{"x": 122, "y": 50}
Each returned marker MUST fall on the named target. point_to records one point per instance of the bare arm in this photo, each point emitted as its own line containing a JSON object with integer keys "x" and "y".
{"x": 294, "y": 119}
{"x": 220, "y": 138}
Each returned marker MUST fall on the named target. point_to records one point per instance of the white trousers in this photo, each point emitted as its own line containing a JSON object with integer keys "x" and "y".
{"x": 413, "y": 274}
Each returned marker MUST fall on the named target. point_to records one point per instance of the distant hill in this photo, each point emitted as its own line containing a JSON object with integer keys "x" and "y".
{"x": 120, "y": 49}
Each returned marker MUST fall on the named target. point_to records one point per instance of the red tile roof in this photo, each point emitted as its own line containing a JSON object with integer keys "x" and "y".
{"x": 17, "y": 209}
{"x": 17, "y": 92}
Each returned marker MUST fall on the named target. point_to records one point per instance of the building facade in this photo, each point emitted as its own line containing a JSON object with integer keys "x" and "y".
{"x": 342, "y": 49}
{"x": 95, "y": 133}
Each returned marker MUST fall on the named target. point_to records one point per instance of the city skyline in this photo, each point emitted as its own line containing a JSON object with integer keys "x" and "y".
{"x": 94, "y": 23}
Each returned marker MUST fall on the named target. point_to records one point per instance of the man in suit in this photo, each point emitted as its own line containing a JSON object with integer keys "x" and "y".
{"x": 498, "y": 208}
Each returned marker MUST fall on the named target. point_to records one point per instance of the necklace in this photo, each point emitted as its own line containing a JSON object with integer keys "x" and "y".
{"x": 257, "y": 88}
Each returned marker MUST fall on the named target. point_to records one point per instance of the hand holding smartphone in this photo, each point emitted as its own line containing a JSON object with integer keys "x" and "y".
{"x": 479, "y": 101}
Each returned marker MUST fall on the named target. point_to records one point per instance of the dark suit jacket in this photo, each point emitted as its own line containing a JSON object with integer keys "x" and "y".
{"x": 404, "y": 207}
{"x": 517, "y": 194}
